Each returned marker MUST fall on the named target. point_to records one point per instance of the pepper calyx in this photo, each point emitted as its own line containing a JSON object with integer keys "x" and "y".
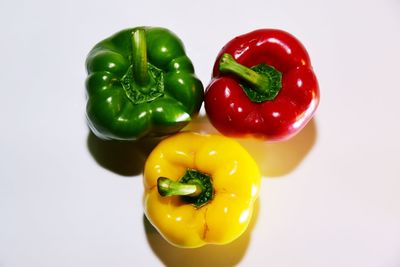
{"x": 144, "y": 93}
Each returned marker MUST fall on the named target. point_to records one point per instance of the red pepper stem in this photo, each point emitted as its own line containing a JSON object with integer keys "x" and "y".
{"x": 139, "y": 57}
{"x": 228, "y": 64}
{"x": 166, "y": 187}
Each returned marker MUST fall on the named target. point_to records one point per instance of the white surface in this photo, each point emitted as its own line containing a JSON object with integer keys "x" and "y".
{"x": 331, "y": 196}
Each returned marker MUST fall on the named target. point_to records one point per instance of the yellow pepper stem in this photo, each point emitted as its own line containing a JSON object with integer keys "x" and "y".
{"x": 166, "y": 187}
{"x": 194, "y": 187}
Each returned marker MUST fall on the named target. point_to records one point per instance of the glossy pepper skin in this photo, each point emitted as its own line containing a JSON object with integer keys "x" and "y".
{"x": 140, "y": 83}
{"x": 234, "y": 113}
{"x": 221, "y": 218}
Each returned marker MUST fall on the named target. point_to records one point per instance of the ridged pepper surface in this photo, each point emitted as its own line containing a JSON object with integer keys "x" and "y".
{"x": 200, "y": 189}
{"x": 140, "y": 83}
{"x": 263, "y": 86}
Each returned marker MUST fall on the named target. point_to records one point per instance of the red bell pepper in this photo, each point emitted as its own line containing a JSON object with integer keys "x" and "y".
{"x": 263, "y": 86}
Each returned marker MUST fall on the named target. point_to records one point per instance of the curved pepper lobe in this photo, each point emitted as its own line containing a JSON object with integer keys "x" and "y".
{"x": 273, "y": 47}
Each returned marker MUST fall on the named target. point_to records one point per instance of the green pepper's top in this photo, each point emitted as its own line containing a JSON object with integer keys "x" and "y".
{"x": 140, "y": 83}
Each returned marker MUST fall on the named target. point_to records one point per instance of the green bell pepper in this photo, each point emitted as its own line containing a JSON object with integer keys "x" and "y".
{"x": 140, "y": 83}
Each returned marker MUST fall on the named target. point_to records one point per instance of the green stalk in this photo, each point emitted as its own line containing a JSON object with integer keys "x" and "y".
{"x": 194, "y": 187}
{"x": 260, "y": 83}
{"x": 167, "y": 187}
{"x": 139, "y": 57}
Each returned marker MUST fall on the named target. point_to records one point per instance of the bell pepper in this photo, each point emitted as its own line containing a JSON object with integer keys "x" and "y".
{"x": 140, "y": 83}
{"x": 263, "y": 86}
{"x": 200, "y": 189}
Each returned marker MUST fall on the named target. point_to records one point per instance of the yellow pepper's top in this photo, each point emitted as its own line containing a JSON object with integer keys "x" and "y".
{"x": 218, "y": 214}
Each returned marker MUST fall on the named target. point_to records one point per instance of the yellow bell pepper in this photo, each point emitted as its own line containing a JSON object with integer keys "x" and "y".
{"x": 200, "y": 189}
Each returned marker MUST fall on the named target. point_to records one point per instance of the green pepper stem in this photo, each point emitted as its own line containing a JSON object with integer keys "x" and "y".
{"x": 139, "y": 56}
{"x": 167, "y": 187}
{"x": 228, "y": 64}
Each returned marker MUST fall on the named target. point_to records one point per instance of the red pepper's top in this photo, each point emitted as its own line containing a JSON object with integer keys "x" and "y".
{"x": 234, "y": 113}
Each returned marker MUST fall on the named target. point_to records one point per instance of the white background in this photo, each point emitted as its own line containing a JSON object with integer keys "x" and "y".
{"x": 329, "y": 197}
